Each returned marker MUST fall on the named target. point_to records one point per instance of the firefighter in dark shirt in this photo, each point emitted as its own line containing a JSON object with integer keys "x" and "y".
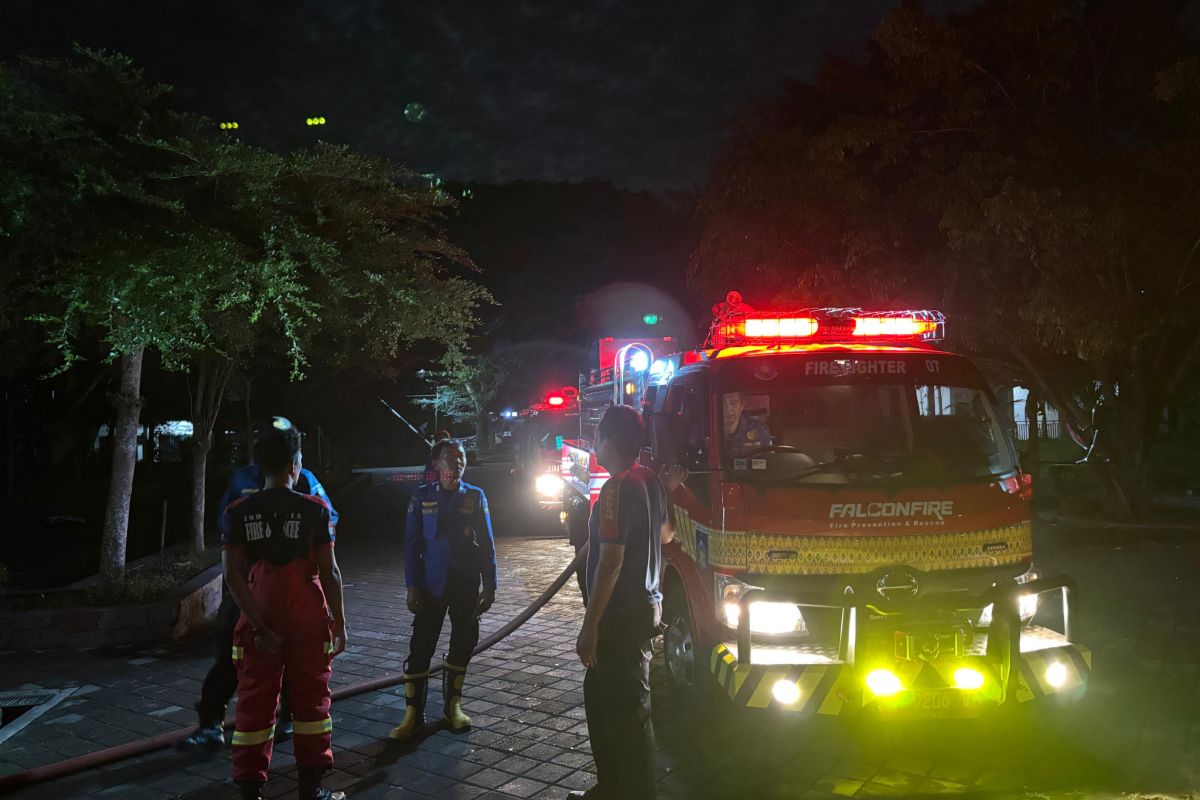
{"x": 280, "y": 567}
{"x": 627, "y": 529}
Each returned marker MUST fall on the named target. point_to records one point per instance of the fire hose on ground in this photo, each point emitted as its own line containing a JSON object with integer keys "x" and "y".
{"x": 161, "y": 741}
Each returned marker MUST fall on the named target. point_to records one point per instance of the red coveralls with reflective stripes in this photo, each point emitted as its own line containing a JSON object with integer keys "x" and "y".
{"x": 281, "y": 532}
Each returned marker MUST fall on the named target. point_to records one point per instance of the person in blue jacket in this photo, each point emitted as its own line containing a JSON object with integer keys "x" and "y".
{"x": 449, "y": 552}
{"x": 221, "y": 681}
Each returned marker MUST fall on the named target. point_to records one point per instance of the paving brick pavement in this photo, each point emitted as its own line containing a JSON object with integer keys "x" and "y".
{"x": 1138, "y": 729}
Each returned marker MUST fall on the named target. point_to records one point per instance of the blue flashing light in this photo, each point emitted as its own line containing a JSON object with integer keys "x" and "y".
{"x": 639, "y": 361}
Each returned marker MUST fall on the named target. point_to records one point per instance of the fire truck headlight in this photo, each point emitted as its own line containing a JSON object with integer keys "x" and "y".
{"x": 786, "y": 692}
{"x": 884, "y": 683}
{"x": 768, "y": 618}
{"x": 967, "y": 678}
{"x": 548, "y": 485}
{"x": 1056, "y": 675}
{"x": 776, "y": 618}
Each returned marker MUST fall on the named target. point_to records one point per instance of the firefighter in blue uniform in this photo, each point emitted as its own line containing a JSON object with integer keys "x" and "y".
{"x": 221, "y": 680}
{"x": 743, "y": 433}
{"x": 448, "y": 552}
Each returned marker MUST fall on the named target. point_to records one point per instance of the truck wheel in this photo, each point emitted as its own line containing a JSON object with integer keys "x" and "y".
{"x": 684, "y": 657}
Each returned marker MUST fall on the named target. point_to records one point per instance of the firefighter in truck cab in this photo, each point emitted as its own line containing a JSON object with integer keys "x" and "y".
{"x": 743, "y": 433}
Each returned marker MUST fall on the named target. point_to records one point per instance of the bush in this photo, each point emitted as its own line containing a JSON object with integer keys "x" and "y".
{"x": 153, "y": 582}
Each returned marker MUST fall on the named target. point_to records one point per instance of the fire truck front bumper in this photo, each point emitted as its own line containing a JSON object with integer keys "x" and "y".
{"x": 1009, "y": 663}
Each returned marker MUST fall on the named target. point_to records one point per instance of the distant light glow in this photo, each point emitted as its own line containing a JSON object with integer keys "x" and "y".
{"x": 639, "y": 361}
{"x": 415, "y": 113}
{"x": 555, "y": 400}
{"x": 650, "y": 319}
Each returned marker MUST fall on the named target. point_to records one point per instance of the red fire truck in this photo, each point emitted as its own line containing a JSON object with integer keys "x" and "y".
{"x": 539, "y": 434}
{"x": 855, "y": 533}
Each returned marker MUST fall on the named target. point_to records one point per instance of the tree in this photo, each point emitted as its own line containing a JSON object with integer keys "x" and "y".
{"x": 100, "y": 251}
{"x": 1019, "y": 165}
{"x": 347, "y": 260}
{"x": 160, "y": 235}
{"x": 467, "y": 384}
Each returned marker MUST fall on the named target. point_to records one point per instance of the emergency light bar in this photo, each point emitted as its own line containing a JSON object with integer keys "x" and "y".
{"x": 740, "y": 325}
{"x": 556, "y": 400}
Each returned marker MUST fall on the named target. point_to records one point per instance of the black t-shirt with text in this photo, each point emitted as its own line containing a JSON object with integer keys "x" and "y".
{"x": 630, "y": 511}
{"x": 277, "y": 525}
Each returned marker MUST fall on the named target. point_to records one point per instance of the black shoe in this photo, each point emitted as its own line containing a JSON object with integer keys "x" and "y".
{"x": 251, "y": 790}
{"x": 206, "y": 739}
{"x": 311, "y": 788}
{"x": 589, "y": 794}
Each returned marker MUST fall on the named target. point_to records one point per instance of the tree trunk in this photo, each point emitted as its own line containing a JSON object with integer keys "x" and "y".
{"x": 10, "y": 439}
{"x": 127, "y": 401}
{"x": 212, "y": 375}
{"x": 199, "y": 489}
{"x": 248, "y": 433}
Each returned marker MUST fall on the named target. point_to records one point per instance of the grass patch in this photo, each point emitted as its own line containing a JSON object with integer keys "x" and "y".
{"x": 144, "y": 584}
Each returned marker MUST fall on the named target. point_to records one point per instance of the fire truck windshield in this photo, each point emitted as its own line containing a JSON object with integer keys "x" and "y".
{"x": 872, "y": 427}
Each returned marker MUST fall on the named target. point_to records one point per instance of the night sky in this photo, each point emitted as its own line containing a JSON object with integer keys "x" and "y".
{"x": 638, "y": 92}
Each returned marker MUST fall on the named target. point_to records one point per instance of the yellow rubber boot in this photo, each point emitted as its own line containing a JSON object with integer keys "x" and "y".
{"x": 414, "y": 715}
{"x": 452, "y": 686}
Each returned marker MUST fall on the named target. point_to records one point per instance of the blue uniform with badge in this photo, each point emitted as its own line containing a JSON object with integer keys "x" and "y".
{"x": 249, "y": 479}
{"x": 448, "y": 551}
{"x": 449, "y": 532}
{"x": 750, "y": 434}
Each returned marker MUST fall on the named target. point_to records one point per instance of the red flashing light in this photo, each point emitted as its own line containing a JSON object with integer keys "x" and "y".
{"x": 556, "y": 400}
{"x": 778, "y": 327}
{"x": 738, "y": 324}
{"x": 879, "y": 327}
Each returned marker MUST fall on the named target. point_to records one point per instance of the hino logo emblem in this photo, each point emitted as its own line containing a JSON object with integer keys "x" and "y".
{"x": 897, "y": 586}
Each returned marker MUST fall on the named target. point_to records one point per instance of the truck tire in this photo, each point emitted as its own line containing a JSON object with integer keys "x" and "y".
{"x": 685, "y": 658}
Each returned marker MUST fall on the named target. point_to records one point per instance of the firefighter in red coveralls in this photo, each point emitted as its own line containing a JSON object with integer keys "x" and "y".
{"x": 280, "y": 567}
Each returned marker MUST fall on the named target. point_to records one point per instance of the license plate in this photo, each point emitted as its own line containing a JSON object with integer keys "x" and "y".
{"x": 933, "y": 704}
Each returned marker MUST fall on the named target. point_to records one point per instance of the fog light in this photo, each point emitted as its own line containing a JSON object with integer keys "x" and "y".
{"x": 786, "y": 692}
{"x": 883, "y": 682}
{"x": 967, "y": 678}
{"x": 1056, "y": 675}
